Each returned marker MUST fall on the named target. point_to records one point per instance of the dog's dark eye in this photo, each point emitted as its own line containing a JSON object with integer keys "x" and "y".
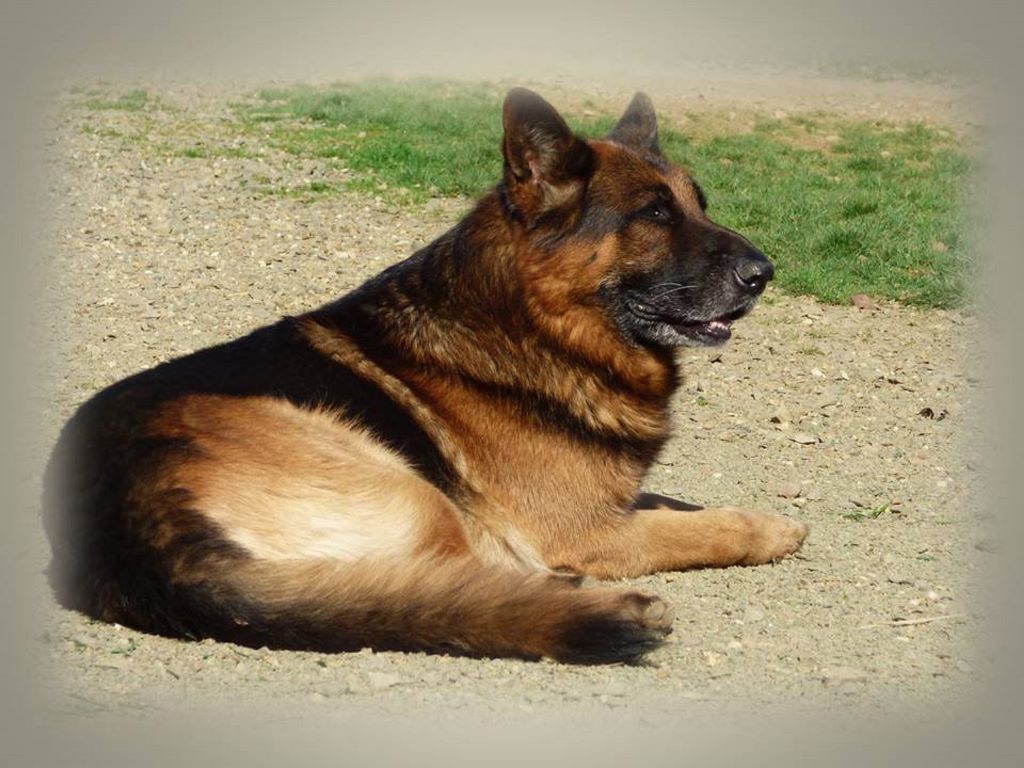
{"x": 658, "y": 211}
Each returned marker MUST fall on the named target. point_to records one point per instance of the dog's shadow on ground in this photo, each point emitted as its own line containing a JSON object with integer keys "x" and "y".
{"x": 657, "y": 501}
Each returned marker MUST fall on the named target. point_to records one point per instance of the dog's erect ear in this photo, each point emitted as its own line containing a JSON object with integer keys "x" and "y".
{"x": 638, "y": 126}
{"x": 544, "y": 159}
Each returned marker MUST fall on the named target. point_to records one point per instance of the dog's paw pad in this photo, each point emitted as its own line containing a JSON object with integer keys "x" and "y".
{"x": 650, "y": 611}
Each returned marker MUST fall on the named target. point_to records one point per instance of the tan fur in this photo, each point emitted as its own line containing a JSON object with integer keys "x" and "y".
{"x": 667, "y": 539}
{"x": 287, "y": 483}
{"x": 341, "y": 349}
{"x": 449, "y": 604}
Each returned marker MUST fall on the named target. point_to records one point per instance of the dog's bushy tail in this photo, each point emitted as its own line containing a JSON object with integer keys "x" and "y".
{"x": 437, "y": 605}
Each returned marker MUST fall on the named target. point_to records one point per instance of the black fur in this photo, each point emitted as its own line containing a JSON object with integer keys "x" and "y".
{"x": 605, "y": 640}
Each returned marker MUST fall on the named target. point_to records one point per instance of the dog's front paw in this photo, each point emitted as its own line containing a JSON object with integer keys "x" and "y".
{"x": 772, "y": 537}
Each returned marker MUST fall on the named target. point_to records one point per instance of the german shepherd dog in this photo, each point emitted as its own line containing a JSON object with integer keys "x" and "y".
{"x": 437, "y": 460}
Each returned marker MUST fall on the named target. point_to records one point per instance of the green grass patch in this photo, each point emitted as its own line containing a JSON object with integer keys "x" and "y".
{"x": 214, "y": 150}
{"x": 131, "y": 101}
{"x": 867, "y": 514}
{"x": 427, "y": 138}
{"x": 842, "y": 206}
{"x": 104, "y": 133}
{"x": 880, "y": 212}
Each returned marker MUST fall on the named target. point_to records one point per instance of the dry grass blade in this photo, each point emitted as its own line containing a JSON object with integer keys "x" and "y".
{"x": 912, "y": 622}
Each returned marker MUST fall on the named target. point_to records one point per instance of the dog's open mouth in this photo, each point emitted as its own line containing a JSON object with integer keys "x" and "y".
{"x": 718, "y": 330}
{"x": 710, "y": 332}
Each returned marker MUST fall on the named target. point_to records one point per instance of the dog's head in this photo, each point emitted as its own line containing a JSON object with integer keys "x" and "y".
{"x": 614, "y": 228}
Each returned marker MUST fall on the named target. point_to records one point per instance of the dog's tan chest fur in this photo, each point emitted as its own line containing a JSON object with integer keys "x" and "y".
{"x": 539, "y": 477}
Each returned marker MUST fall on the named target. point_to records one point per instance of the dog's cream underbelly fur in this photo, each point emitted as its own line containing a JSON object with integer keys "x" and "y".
{"x": 336, "y": 525}
{"x": 286, "y": 483}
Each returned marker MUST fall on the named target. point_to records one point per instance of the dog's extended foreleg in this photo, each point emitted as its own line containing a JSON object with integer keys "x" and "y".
{"x": 650, "y": 540}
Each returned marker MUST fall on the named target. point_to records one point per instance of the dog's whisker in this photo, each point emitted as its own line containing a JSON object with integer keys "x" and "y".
{"x": 676, "y": 287}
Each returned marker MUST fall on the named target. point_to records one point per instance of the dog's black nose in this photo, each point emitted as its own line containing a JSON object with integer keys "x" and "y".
{"x": 753, "y": 272}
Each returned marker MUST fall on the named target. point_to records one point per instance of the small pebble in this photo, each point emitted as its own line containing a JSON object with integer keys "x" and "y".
{"x": 862, "y": 301}
{"x": 379, "y": 681}
{"x": 753, "y": 614}
{"x": 841, "y": 675}
{"x": 119, "y": 664}
{"x": 789, "y": 490}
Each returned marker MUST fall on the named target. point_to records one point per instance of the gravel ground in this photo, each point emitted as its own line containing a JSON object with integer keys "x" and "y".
{"x": 855, "y": 420}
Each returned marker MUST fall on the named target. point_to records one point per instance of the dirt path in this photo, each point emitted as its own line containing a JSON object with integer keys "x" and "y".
{"x": 856, "y": 421}
{"x": 742, "y": 91}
